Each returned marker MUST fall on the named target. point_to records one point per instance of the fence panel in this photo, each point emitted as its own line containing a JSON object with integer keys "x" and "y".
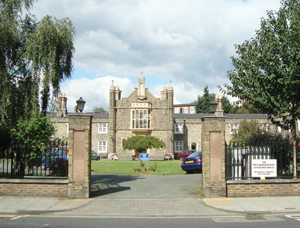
{"x": 50, "y": 160}
{"x": 239, "y": 158}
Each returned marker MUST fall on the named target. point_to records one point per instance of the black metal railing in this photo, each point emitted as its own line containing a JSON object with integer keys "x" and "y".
{"x": 48, "y": 160}
{"x": 239, "y": 158}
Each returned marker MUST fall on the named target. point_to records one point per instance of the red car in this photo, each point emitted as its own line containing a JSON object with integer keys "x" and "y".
{"x": 185, "y": 153}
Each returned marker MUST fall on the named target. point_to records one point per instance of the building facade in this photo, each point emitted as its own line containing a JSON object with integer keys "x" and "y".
{"x": 141, "y": 113}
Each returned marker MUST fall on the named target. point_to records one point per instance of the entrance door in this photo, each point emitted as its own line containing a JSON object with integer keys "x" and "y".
{"x": 137, "y": 154}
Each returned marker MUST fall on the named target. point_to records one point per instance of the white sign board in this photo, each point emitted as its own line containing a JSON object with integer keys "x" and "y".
{"x": 264, "y": 168}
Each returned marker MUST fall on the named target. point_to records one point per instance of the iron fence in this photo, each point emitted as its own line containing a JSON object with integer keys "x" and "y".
{"x": 240, "y": 158}
{"x": 48, "y": 160}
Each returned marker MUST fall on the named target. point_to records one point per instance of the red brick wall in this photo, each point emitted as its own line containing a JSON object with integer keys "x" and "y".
{"x": 263, "y": 188}
{"x": 25, "y": 187}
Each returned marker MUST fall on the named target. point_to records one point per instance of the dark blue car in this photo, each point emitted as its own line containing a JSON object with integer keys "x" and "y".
{"x": 192, "y": 163}
{"x": 53, "y": 156}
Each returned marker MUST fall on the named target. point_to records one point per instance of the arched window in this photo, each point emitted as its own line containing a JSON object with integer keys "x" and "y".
{"x": 194, "y": 146}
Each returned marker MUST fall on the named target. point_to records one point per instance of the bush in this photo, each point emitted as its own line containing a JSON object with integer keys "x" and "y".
{"x": 252, "y": 131}
{"x": 59, "y": 167}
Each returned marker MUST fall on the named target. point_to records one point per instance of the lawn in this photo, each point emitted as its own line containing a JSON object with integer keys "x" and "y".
{"x": 130, "y": 167}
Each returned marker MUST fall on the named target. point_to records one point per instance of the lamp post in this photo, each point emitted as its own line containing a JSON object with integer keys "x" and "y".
{"x": 213, "y": 106}
{"x": 80, "y": 104}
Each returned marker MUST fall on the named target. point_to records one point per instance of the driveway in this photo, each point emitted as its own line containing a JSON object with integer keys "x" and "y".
{"x": 145, "y": 187}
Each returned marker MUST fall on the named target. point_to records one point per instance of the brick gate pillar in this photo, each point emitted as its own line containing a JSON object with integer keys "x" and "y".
{"x": 213, "y": 156}
{"x": 79, "y": 155}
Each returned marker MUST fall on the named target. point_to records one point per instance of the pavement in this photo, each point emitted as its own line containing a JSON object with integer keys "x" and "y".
{"x": 150, "y": 207}
{"x": 148, "y": 196}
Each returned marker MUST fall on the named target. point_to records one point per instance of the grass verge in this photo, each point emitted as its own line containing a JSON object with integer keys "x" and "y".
{"x": 129, "y": 167}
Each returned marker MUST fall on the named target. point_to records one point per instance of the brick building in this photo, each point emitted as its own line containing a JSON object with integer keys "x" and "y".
{"x": 141, "y": 113}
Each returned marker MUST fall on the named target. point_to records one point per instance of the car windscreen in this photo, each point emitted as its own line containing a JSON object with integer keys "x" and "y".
{"x": 195, "y": 154}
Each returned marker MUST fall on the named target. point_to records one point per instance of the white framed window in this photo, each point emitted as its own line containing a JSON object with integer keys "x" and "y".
{"x": 140, "y": 119}
{"x": 102, "y": 147}
{"x": 184, "y": 110}
{"x": 234, "y": 128}
{"x": 178, "y": 128}
{"x": 178, "y": 147}
{"x": 192, "y": 110}
{"x": 102, "y": 128}
{"x": 67, "y": 125}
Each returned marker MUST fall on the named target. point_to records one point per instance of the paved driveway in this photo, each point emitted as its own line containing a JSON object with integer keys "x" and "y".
{"x": 145, "y": 187}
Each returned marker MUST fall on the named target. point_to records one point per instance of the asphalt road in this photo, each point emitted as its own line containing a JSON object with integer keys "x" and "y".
{"x": 85, "y": 221}
{"x": 142, "y": 187}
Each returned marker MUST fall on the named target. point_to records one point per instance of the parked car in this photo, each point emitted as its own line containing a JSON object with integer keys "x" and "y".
{"x": 54, "y": 155}
{"x": 94, "y": 156}
{"x": 112, "y": 156}
{"x": 185, "y": 154}
{"x": 192, "y": 163}
{"x": 168, "y": 156}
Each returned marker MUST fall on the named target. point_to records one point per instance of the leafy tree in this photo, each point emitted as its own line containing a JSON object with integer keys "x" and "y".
{"x": 250, "y": 130}
{"x": 100, "y": 109}
{"x": 142, "y": 143}
{"x": 35, "y": 133}
{"x": 244, "y": 108}
{"x": 267, "y": 70}
{"x": 202, "y": 103}
{"x": 34, "y": 58}
{"x": 227, "y": 106}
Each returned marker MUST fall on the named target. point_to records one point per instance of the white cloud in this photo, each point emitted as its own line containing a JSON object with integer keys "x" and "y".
{"x": 95, "y": 92}
{"x": 189, "y": 42}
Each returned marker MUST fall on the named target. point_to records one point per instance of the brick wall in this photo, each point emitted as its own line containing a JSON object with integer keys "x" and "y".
{"x": 34, "y": 187}
{"x": 255, "y": 188}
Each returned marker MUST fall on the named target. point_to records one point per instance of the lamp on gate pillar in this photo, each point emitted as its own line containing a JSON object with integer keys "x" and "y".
{"x": 80, "y": 104}
{"x": 213, "y": 106}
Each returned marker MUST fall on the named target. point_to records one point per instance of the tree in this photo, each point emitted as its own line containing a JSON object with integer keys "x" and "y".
{"x": 202, "y": 103}
{"x": 251, "y": 131}
{"x": 267, "y": 71}
{"x": 142, "y": 143}
{"x": 244, "y": 108}
{"x": 35, "y": 133}
{"x": 100, "y": 109}
{"x": 35, "y": 57}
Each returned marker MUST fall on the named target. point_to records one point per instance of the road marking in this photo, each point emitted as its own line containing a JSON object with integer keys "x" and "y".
{"x": 7, "y": 216}
{"x": 17, "y": 217}
{"x": 296, "y": 217}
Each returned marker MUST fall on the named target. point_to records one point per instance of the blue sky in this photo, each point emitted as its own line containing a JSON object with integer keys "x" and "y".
{"x": 189, "y": 42}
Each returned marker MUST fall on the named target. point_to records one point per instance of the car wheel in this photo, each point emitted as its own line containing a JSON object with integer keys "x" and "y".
{"x": 189, "y": 172}
{"x": 98, "y": 159}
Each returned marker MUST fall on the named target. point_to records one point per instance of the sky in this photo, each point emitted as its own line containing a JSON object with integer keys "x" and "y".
{"x": 187, "y": 42}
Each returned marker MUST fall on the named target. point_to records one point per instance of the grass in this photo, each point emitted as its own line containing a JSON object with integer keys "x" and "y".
{"x": 129, "y": 167}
